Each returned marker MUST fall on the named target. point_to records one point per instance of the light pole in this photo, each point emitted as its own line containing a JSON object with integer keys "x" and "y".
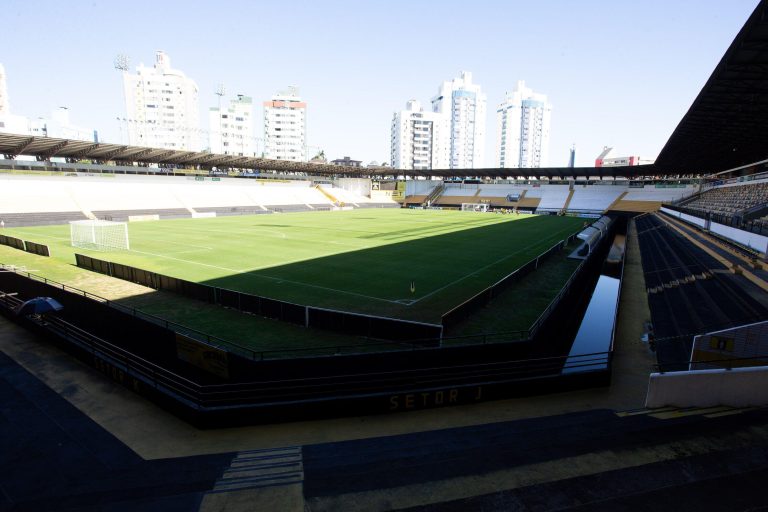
{"x": 122, "y": 64}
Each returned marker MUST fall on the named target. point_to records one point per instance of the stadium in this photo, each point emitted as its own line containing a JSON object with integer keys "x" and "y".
{"x": 283, "y": 293}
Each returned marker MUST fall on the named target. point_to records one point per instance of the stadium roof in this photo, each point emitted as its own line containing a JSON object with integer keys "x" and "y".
{"x": 48, "y": 147}
{"x": 727, "y": 125}
{"x": 724, "y": 129}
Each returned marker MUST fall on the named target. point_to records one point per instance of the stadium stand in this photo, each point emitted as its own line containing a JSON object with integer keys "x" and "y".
{"x": 38, "y": 200}
{"x": 664, "y": 194}
{"x": 544, "y": 197}
{"x": 349, "y": 198}
{"x": 594, "y": 198}
{"x": 233, "y": 210}
{"x": 122, "y": 215}
{"x": 689, "y": 292}
{"x": 553, "y": 197}
{"x": 730, "y": 200}
{"x": 39, "y": 218}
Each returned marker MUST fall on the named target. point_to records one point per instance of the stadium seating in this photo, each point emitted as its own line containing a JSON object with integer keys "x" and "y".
{"x": 24, "y": 195}
{"x": 687, "y": 290}
{"x": 13, "y": 220}
{"x": 122, "y": 215}
{"x": 351, "y": 199}
{"x": 730, "y": 200}
{"x": 660, "y": 194}
{"x": 36, "y": 200}
{"x": 553, "y": 197}
{"x": 545, "y": 197}
{"x": 595, "y": 198}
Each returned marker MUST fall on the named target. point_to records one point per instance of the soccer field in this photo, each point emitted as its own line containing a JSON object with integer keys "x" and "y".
{"x": 413, "y": 264}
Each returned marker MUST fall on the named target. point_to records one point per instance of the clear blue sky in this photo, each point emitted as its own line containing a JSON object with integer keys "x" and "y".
{"x": 618, "y": 72}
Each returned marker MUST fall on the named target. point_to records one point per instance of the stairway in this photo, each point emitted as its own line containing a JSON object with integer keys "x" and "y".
{"x": 625, "y": 205}
{"x": 434, "y": 195}
{"x": 592, "y": 460}
{"x": 567, "y": 201}
{"x": 616, "y": 201}
{"x": 328, "y": 196}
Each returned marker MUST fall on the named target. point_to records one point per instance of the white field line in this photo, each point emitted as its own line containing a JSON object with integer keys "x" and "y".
{"x": 188, "y": 251}
{"x": 283, "y": 235}
{"x": 280, "y": 234}
{"x": 177, "y": 243}
{"x": 486, "y": 266}
{"x": 39, "y": 234}
{"x": 247, "y": 273}
{"x": 143, "y": 237}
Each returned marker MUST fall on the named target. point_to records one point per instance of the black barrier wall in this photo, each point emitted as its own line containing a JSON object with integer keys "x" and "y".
{"x": 308, "y": 316}
{"x": 141, "y": 356}
{"x": 16, "y": 243}
{"x": 35, "y": 248}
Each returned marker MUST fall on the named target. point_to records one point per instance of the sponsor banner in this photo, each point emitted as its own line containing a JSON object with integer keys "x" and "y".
{"x": 205, "y": 357}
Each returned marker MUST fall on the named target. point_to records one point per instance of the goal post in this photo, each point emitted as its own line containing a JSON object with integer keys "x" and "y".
{"x": 99, "y": 235}
{"x": 475, "y": 207}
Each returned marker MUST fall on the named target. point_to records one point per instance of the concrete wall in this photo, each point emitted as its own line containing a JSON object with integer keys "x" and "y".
{"x": 420, "y": 187}
{"x": 753, "y": 240}
{"x": 746, "y": 238}
{"x": 739, "y": 387}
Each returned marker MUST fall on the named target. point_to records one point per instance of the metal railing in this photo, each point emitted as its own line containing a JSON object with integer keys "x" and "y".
{"x": 210, "y": 397}
{"x": 722, "y": 364}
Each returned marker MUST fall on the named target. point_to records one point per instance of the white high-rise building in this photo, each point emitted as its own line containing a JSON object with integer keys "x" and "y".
{"x": 465, "y": 105}
{"x": 5, "y": 107}
{"x": 162, "y": 107}
{"x": 285, "y": 123}
{"x": 60, "y": 127}
{"x": 231, "y": 130}
{"x": 420, "y": 140}
{"x": 522, "y": 127}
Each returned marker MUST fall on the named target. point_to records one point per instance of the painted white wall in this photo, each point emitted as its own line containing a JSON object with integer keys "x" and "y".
{"x": 740, "y": 387}
{"x": 420, "y": 187}
{"x": 746, "y": 238}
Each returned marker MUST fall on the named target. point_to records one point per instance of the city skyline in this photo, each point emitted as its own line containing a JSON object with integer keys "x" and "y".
{"x": 620, "y": 75}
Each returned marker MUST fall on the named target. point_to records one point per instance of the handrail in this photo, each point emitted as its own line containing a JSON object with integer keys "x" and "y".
{"x": 209, "y": 396}
{"x": 199, "y": 335}
{"x": 659, "y": 367}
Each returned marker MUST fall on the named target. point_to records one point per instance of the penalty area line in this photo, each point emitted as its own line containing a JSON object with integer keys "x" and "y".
{"x": 248, "y": 274}
{"x": 557, "y": 234}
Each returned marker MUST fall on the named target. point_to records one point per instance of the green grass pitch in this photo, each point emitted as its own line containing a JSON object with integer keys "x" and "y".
{"x": 361, "y": 260}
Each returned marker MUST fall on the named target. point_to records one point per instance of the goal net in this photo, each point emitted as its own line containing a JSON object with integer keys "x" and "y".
{"x": 99, "y": 235}
{"x": 474, "y": 207}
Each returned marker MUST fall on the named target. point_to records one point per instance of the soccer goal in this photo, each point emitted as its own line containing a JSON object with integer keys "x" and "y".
{"x": 474, "y": 207}
{"x": 99, "y": 235}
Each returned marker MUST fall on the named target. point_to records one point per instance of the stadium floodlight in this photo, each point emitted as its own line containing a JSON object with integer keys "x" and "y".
{"x": 99, "y": 235}
{"x": 475, "y": 207}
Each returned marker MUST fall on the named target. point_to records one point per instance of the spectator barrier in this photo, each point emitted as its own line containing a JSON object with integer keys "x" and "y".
{"x": 370, "y": 326}
{"x": 480, "y": 299}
